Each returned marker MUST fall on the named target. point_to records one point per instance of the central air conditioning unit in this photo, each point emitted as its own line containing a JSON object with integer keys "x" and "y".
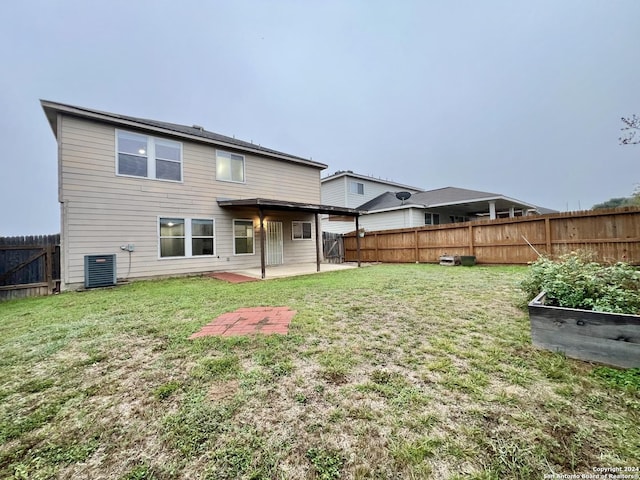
{"x": 99, "y": 270}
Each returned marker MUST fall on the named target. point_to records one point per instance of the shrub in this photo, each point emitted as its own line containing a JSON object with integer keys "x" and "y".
{"x": 575, "y": 281}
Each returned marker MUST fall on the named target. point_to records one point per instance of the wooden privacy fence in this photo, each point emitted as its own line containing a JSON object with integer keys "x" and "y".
{"x": 611, "y": 235}
{"x": 29, "y": 266}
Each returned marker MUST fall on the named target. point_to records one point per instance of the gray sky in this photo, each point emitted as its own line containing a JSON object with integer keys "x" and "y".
{"x": 512, "y": 97}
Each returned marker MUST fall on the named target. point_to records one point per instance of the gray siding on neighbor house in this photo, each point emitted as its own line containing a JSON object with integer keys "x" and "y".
{"x": 336, "y": 191}
{"x": 102, "y": 211}
{"x": 333, "y": 192}
{"x": 389, "y": 220}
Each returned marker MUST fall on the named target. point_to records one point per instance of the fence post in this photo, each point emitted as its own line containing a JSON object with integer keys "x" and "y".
{"x": 415, "y": 237}
{"x": 375, "y": 239}
{"x": 547, "y": 234}
{"x": 48, "y": 262}
{"x": 471, "y": 247}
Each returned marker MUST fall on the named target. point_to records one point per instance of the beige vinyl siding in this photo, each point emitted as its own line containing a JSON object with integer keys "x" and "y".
{"x": 103, "y": 211}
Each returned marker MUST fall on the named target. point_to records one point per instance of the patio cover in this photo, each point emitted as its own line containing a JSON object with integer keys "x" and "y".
{"x": 263, "y": 204}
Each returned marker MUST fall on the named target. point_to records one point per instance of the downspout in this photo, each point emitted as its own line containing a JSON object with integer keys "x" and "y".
{"x": 358, "y": 238}
{"x": 262, "y": 261}
{"x": 318, "y": 243}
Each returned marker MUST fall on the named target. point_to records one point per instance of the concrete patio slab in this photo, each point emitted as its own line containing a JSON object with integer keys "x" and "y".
{"x": 280, "y": 271}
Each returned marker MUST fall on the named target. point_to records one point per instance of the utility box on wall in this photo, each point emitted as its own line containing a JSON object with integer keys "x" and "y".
{"x": 99, "y": 270}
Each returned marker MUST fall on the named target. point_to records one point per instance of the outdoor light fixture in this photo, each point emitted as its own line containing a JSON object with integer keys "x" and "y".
{"x": 141, "y": 151}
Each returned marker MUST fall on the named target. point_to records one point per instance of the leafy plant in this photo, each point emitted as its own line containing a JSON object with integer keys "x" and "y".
{"x": 326, "y": 462}
{"x": 164, "y": 391}
{"x": 575, "y": 281}
{"x": 627, "y": 379}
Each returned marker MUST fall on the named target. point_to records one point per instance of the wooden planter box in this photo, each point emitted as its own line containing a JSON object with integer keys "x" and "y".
{"x": 609, "y": 338}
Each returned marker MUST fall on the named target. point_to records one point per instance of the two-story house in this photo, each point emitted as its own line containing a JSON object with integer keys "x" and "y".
{"x": 170, "y": 199}
{"x": 349, "y": 189}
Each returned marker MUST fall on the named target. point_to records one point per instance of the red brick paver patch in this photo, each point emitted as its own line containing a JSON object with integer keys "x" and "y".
{"x": 246, "y": 321}
{"x": 232, "y": 277}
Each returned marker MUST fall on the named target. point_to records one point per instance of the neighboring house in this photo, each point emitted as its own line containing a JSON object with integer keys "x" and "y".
{"x": 348, "y": 189}
{"x": 440, "y": 206}
{"x": 383, "y": 210}
{"x": 171, "y": 199}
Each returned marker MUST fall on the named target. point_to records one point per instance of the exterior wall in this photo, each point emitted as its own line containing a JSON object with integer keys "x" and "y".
{"x": 342, "y": 227}
{"x": 336, "y": 191}
{"x": 389, "y": 220}
{"x": 102, "y": 211}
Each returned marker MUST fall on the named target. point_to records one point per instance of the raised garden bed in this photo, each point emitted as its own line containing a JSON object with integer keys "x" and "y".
{"x": 609, "y": 338}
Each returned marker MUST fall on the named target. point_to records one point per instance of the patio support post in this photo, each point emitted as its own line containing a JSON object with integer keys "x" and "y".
{"x": 318, "y": 242}
{"x": 492, "y": 210}
{"x": 358, "y": 238}
{"x": 262, "y": 267}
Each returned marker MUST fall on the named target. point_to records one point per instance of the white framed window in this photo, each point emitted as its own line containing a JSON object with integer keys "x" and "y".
{"x": 431, "y": 218}
{"x": 301, "y": 230}
{"x": 356, "y": 187}
{"x": 229, "y": 167}
{"x": 186, "y": 237}
{"x": 144, "y": 156}
{"x": 243, "y": 238}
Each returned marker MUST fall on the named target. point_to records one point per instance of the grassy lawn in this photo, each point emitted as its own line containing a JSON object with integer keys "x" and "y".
{"x": 390, "y": 371}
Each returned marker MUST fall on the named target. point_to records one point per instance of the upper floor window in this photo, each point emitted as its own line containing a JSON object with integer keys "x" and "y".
{"x": 301, "y": 230}
{"x": 229, "y": 167}
{"x": 148, "y": 157}
{"x": 356, "y": 187}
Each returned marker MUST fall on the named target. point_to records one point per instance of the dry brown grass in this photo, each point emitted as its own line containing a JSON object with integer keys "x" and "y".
{"x": 388, "y": 372}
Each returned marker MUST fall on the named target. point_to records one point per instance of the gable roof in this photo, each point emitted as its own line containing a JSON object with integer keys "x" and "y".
{"x": 349, "y": 173}
{"x": 466, "y": 200}
{"x": 193, "y": 133}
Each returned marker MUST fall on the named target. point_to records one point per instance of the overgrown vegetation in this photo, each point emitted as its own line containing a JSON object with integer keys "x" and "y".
{"x": 575, "y": 281}
{"x": 391, "y": 371}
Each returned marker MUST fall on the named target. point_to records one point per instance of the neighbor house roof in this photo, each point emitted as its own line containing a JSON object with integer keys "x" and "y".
{"x": 194, "y": 132}
{"x": 463, "y": 199}
{"x": 349, "y": 173}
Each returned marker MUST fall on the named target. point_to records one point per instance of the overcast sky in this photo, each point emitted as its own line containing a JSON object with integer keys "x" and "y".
{"x": 522, "y": 98}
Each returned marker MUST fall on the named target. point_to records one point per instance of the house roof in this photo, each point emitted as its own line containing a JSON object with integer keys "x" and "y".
{"x": 193, "y": 133}
{"x": 349, "y": 173}
{"x": 466, "y": 201}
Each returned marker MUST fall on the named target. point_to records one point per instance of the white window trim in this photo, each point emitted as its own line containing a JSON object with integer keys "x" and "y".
{"x": 151, "y": 155}
{"x": 244, "y": 168}
{"x": 233, "y": 236}
{"x": 431, "y": 214}
{"x": 188, "y": 246}
{"x": 302, "y": 239}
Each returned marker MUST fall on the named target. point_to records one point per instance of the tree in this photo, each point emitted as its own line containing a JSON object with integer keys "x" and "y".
{"x": 631, "y": 128}
{"x": 614, "y": 202}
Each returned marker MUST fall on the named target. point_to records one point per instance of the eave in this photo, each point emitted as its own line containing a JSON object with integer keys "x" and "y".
{"x": 53, "y": 109}
{"x": 268, "y": 204}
